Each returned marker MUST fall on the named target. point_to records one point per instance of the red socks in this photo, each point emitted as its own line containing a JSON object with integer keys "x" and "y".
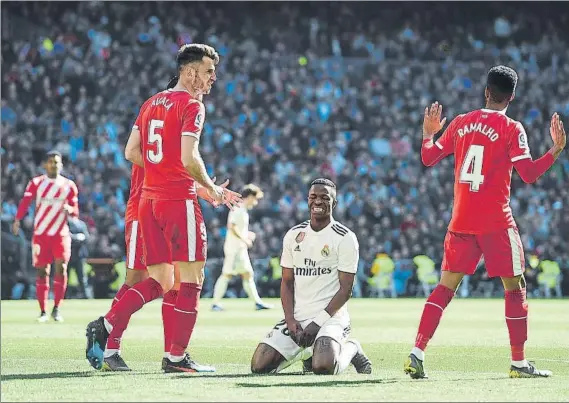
{"x": 434, "y": 307}
{"x": 185, "y": 314}
{"x": 169, "y": 317}
{"x": 517, "y": 321}
{"x": 134, "y": 299}
{"x": 42, "y": 291}
{"x": 120, "y": 294}
{"x": 59, "y": 288}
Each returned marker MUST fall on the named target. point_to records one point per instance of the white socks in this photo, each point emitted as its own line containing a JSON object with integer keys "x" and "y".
{"x": 108, "y": 325}
{"x": 520, "y": 364}
{"x": 349, "y": 350}
{"x": 110, "y": 352}
{"x": 417, "y": 352}
{"x": 219, "y": 289}
{"x": 251, "y": 289}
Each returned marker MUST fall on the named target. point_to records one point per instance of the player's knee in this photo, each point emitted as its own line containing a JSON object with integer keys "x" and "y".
{"x": 513, "y": 283}
{"x": 246, "y": 276}
{"x": 135, "y": 276}
{"x": 43, "y": 272}
{"x": 323, "y": 367}
{"x": 259, "y": 366}
{"x": 60, "y": 268}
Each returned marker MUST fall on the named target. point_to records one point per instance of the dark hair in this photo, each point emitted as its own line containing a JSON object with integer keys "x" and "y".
{"x": 172, "y": 83}
{"x": 324, "y": 182}
{"x": 51, "y": 154}
{"x": 195, "y": 52}
{"x": 501, "y": 83}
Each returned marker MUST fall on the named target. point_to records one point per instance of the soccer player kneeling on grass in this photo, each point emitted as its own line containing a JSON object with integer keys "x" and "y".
{"x": 319, "y": 260}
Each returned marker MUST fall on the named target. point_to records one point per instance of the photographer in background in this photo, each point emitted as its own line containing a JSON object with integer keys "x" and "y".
{"x": 79, "y": 251}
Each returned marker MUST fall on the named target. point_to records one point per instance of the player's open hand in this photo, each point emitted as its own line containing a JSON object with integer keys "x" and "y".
{"x": 557, "y": 132}
{"x": 16, "y": 227}
{"x": 432, "y": 123}
{"x": 67, "y": 209}
{"x": 309, "y": 335}
{"x": 204, "y": 194}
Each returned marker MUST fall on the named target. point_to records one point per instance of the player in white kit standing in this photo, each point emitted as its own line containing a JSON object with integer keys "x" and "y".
{"x": 319, "y": 261}
{"x": 236, "y": 260}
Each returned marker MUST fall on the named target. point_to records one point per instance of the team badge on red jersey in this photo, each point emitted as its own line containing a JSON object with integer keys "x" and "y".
{"x": 300, "y": 237}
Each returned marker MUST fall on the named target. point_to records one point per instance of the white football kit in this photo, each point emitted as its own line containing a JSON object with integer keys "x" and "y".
{"x": 316, "y": 258}
{"x": 236, "y": 256}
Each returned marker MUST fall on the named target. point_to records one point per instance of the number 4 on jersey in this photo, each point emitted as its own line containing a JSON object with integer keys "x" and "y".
{"x": 471, "y": 170}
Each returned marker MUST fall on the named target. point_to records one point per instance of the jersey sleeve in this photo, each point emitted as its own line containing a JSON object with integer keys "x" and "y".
{"x": 348, "y": 253}
{"x": 445, "y": 143}
{"x": 73, "y": 200}
{"x": 518, "y": 146}
{"x": 193, "y": 117}
{"x": 286, "y": 257}
{"x": 29, "y": 194}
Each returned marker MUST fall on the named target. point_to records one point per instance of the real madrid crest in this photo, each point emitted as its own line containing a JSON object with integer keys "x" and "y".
{"x": 300, "y": 237}
{"x": 325, "y": 251}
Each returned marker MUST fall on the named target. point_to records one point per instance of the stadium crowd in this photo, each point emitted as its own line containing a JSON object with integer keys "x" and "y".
{"x": 303, "y": 90}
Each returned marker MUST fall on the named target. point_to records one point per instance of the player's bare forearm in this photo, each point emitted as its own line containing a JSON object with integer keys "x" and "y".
{"x": 193, "y": 162}
{"x": 287, "y": 293}
{"x": 530, "y": 170}
{"x": 136, "y": 158}
{"x": 343, "y": 294}
{"x": 431, "y": 154}
{"x": 133, "y": 149}
{"x": 196, "y": 168}
{"x": 234, "y": 232}
{"x": 555, "y": 151}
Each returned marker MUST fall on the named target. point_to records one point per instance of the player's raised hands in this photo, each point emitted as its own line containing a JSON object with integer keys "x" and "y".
{"x": 557, "y": 132}
{"x": 432, "y": 123}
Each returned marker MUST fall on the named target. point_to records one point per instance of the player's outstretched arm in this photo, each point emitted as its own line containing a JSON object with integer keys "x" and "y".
{"x": 29, "y": 195}
{"x": 530, "y": 170}
{"x": 193, "y": 163}
{"x": 133, "y": 149}
{"x": 433, "y": 152}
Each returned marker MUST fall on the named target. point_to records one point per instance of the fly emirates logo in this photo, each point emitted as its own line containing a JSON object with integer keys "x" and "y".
{"x": 479, "y": 128}
{"x": 310, "y": 269}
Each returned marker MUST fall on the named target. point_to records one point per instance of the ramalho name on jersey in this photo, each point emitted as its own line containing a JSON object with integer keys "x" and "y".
{"x": 486, "y": 144}
{"x": 162, "y": 121}
{"x": 317, "y": 257}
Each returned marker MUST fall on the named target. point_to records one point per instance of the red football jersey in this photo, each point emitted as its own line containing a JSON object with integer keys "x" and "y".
{"x": 136, "y": 180}
{"x": 50, "y": 196}
{"x": 162, "y": 121}
{"x": 486, "y": 143}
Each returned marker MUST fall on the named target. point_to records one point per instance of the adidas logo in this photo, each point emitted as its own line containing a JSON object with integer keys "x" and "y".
{"x": 297, "y": 249}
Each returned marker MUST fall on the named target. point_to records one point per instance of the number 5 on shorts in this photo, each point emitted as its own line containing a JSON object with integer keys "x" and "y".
{"x": 473, "y": 159}
{"x": 155, "y": 137}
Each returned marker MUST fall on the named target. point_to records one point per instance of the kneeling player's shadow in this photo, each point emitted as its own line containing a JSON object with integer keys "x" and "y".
{"x": 316, "y": 383}
{"x": 53, "y": 375}
{"x": 233, "y": 376}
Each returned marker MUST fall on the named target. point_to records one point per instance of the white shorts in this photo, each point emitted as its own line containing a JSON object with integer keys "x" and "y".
{"x": 236, "y": 261}
{"x": 278, "y": 338}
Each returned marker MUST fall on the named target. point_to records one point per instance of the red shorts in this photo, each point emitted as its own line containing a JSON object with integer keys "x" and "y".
{"x": 46, "y": 249}
{"x": 173, "y": 231}
{"x": 503, "y": 253}
{"x": 134, "y": 248}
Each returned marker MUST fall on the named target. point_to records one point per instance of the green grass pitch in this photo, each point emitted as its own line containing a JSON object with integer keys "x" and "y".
{"x": 468, "y": 359}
